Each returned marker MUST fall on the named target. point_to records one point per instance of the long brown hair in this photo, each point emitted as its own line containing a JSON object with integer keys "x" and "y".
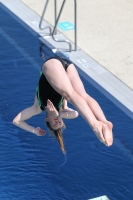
{"x": 58, "y": 135}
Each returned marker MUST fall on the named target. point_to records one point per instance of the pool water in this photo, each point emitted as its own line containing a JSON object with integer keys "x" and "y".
{"x": 30, "y": 165}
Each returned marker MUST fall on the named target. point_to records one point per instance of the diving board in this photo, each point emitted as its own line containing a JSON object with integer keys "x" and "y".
{"x": 100, "y": 198}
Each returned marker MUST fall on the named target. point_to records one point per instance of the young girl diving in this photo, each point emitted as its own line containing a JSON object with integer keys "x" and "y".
{"x": 59, "y": 82}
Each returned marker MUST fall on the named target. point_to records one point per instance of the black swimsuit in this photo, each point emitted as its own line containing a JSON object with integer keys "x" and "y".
{"x": 45, "y": 91}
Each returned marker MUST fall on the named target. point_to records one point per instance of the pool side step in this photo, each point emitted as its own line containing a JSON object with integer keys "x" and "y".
{"x": 101, "y": 198}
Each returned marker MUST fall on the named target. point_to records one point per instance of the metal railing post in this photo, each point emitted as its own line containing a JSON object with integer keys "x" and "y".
{"x": 41, "y": 20}
{"x": 56, "y": 22}
{"x": 70, "y": 46}
{"x": 55, "y": 13}
{"x": 75, "y": 23}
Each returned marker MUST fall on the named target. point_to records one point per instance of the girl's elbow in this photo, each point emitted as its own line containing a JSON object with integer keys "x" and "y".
{"x": 15, "y": 122}
{"x": 76, "y": 114}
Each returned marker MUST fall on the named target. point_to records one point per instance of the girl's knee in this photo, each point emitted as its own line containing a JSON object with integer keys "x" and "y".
{"x": 68, "y": 95}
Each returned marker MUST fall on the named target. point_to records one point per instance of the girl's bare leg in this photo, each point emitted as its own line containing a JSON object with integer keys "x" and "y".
{"x": 92, "y": 103}
{"x": 60, "y": 81}
{"x": 79, "y": 88}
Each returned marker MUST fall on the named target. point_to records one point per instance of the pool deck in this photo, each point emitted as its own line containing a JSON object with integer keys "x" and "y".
{"x": 104, "y": 39}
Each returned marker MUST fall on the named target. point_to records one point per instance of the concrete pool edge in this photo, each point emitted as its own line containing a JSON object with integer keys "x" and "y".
{"x": 93, "y": 72}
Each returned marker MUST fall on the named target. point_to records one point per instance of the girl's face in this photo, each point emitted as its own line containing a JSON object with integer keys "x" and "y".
{"x": 55, "y": 122}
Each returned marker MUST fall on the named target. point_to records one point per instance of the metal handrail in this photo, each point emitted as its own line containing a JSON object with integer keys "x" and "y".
{"x": 56, "y": 22}
{"x": 75, "y": 23}
{"x": 55, "y": 14}
{"x": 41, "y": 20}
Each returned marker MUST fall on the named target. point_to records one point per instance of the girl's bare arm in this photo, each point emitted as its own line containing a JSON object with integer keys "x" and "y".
{"x": 19, "y": 120}
{"x": 66, "y": 112}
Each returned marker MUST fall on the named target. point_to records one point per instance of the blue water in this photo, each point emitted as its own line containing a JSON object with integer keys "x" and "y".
{"x": 29, "y": 165}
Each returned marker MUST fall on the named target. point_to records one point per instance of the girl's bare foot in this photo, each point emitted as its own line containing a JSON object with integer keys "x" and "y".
{"x": 103, "y": 131}
{"x": 98, "y": 130}
{"x": 107, "y": 133}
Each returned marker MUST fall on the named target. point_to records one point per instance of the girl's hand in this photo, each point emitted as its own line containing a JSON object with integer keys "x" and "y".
{"x": 51, "y": 109}
{"x": 68, "y": 113}
{"x": 64, "y": 107}
{"x": 39, "y": 132}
